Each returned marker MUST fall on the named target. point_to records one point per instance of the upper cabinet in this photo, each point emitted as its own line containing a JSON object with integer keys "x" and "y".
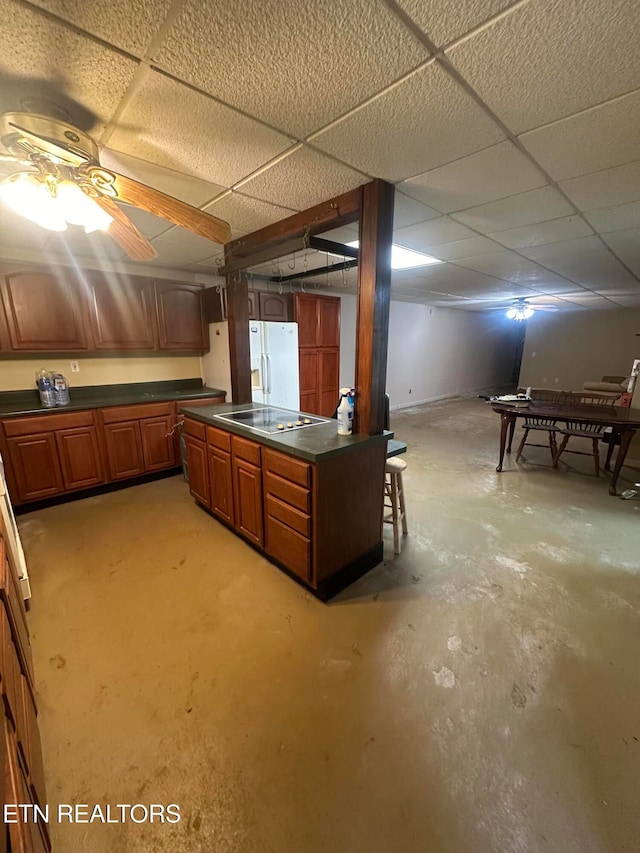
{"x": 44, "y": 312}
{"x": 272, "y": 307}
{"x": 67, "y": 310}
{"x": 181, "y": 322}
{"x": 121, "y": 310}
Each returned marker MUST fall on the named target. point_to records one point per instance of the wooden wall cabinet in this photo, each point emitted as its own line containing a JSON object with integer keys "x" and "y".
{"x": 263, "y": 305}
{"x": 181, "y": 320}
{"x": 44, "y": 312}
{"x": 66, "y": 310}
{"x": 318, "y": 319}
{"x": 121, "y": 312}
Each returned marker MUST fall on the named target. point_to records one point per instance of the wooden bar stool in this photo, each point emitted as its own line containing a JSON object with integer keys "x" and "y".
{"x": 394, "y": 493}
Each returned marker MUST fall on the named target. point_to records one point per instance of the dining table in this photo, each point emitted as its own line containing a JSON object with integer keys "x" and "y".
{"x": 624, "y": 423}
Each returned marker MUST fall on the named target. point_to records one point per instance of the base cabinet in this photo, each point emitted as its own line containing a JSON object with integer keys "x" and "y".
{"x": 35, "y": 465}
{"x": 80, "y": 460}
{"x": 198, "y": 472}
{"x": 247, "y": 488}
{"x": 221, "y": 484}
{"x": 157, "y": 444}
{"x": 124, "y": 450}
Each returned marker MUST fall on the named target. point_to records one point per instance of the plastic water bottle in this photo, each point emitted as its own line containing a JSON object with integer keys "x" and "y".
{"x": 61, "y": 390}
{"x": 44, "y": 383}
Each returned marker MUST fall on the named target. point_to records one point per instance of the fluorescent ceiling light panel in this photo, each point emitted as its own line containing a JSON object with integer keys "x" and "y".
{"x": 404, "y": 259}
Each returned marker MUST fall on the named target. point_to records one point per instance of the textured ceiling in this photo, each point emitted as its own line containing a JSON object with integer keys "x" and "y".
{"x": 511, "y": 129}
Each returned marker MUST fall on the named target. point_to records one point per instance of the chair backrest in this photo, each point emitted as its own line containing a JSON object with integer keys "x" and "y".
{"x": 539, "y": 422}
{"x": 597, "y": 400}
{"x": 548, "y": 395}
{"x": 591, "y": 429}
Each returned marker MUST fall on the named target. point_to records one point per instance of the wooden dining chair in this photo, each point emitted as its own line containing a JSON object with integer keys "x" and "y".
{"x": 594, "y": 432}
{"x": 539, "y": 424}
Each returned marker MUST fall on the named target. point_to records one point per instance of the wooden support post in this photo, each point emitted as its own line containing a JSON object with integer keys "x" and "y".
{"x": 374, "y": 295}
{"x": 238, "y": 315}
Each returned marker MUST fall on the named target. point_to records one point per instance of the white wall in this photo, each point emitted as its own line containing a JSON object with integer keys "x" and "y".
{"x": 435, "y": 352}
{"x": 565, "y": 349}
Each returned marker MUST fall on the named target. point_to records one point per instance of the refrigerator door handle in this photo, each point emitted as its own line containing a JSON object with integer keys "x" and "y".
{"x": 269, "y": 373}
{"x": 263, "y": 373}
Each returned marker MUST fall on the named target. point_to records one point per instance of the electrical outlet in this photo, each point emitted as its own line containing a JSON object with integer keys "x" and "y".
{"x": 75, "y": 366}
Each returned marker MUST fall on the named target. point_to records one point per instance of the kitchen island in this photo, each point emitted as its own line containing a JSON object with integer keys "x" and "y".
{"x": 308, "y": 498}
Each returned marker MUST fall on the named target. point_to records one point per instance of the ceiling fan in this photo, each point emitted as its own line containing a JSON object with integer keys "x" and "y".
{"x": 522, "y": 309}
{"x": 63, "y": 182}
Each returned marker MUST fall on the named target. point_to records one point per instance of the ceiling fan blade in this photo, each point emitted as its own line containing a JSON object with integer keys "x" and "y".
{"x": 171, "y": 209}
{"x": 125, "y": 233}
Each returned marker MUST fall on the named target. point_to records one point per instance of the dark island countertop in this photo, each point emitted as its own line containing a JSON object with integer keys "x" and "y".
{"x": 312, "y": 443}
{"x": 16, "y": 403}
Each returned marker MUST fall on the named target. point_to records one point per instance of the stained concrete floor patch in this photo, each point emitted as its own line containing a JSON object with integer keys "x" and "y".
{"x": 479, "y": 692}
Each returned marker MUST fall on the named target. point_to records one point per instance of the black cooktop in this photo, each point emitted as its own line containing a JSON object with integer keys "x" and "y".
{"x": 272, "y": 420}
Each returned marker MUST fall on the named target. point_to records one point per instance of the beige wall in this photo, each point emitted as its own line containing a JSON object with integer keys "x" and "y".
{"x": 19, "y": 374}
{"x": 565, "y": 349}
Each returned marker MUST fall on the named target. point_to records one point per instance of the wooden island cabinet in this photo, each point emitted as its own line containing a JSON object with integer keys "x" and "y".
{"x": 311, "y": 500}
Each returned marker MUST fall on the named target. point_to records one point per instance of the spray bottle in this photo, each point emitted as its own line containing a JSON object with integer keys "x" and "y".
{"x": 345, "y": 412}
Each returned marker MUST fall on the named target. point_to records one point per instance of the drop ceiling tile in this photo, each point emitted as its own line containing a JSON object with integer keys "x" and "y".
{"x": 513, "y": 267}
{"x": 42, "y": 59}
{"x": 597, "y": 139}
{"x": 75, "y": 243}
{"x": 553, "y": 231}
{"x": 616, "y": 218}
{"x": 421, "y": 123}
{"x": 171, "y": 125}
{"x": 303, "y": 179}
{"x": 246, "y": 214}
{"x": 444, "y": 20}
{"x": 608, "y": 187}
{"x": 345, "y": 234}
{"x": 469, "y": 248}
{"x": 149, "y": 225}
{"x": 551, "y": 58}
{"x": 485, "y": 176}
{"x": 425, "y": 235}
{"x": 128, "y": 24}
{"x": 626, "y": 245}
{"x": 584, "y": 260}
{"x": 408, "y": 211}
{"x": 296, "y": 66}
{"x": 628, "y": 301}
{"x": 182, "y": 248}
{"x": 523, "y": 209}
{"x": 194, "y": 191}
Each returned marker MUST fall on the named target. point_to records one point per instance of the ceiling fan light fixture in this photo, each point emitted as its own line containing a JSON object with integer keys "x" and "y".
{"x": 80, "y": 209}
{"x": 519, "y": 313}
{"x": 27, "y": 196}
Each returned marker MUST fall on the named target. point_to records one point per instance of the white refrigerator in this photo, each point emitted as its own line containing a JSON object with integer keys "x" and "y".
{"x": 274, "y": 364}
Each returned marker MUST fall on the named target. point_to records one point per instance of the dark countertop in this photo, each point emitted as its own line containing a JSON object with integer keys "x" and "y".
{"x": 311, "y": 443}
{"x": 15, "y": 403}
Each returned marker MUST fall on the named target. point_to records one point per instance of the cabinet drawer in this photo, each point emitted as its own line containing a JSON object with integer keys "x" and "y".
{"x": 288, "y": 467}
{"x": 15, "y": 427}
{"x": 288, "y": 547}
{"x": 247, "y": 450}
{"x": 288, "y": 492}
{"x": 299, "y": 521}
{"x": 195, "y": 428}
{"x": 115, "y": 414}
{"x": 219, "y": 438}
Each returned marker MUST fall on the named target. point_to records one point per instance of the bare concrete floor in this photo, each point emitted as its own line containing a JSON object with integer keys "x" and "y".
{"x": 481, "y": 692}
